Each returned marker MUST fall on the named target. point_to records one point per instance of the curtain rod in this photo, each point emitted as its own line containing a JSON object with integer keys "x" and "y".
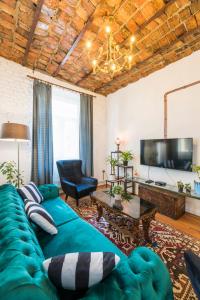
{"x": 61, "y": 86}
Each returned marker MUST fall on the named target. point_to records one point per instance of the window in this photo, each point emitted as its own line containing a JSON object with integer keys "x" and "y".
{"x": 65, "y": 112}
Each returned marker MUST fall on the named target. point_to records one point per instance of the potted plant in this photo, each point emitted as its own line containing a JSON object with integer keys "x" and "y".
{"x": 180, "y": 186}
{"x": 188, "y": 188}
{"x": 9, "y": 170}
{"x": 125, "y": 157}
{"x": 113, "y": 162}
{"x": 126, "y": 196}
{"x": 116, "y": 192}
{"x": 196, "y": 169}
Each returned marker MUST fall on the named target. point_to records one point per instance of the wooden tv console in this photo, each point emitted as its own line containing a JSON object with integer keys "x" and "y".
{"x": 168, "y": 202}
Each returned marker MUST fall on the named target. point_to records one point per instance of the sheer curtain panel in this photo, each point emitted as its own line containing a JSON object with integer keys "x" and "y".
{"x": 66, "y": 113}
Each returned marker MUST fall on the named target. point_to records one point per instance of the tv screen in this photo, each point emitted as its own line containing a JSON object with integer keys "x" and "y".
{"x": 167, "y": 153}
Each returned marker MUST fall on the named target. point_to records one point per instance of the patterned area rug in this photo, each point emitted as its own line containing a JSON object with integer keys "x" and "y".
{"x": 167, "y": 242}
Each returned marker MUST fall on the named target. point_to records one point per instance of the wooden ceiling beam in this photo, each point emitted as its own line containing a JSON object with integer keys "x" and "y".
{"x": 138, "y": 65}
{"x": 32, "y": 30}
{"x": 74, "y": 45}
{"x": 141, "y": 27}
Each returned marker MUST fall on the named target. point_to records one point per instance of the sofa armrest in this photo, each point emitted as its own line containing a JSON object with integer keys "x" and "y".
{"x": 154, "y": 278}
{"x": 49, "y": 191}
{"x": 142, "y": 276}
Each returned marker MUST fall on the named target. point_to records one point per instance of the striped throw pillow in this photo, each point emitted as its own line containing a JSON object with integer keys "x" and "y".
{"x": 81, "y": 270}
{"x": 40, "y": 216}
{"x": 31, "y": 192}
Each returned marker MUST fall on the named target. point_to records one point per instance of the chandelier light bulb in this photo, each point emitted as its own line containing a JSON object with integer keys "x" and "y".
{"x": 94, "y": 62}
{"x": 132, "y": 39}
{"x": 108, "y": 29}
{"x": 113, "y": 67}
{"x": 89, "y": 44}
{"x": 130, "y": 57}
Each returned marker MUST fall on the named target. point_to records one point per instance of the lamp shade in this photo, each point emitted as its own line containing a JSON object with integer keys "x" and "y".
{"x": 14, "y": 131}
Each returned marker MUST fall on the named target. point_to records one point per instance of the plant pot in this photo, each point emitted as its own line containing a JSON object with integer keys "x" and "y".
{"x": 180, "y": 189}
{"x": 118, "y": 198}
{"x": 125, "y": 163}
{"x": 118, "y": 203}
{"x": 197, "y": 187}
{"x": 188, "y": 191}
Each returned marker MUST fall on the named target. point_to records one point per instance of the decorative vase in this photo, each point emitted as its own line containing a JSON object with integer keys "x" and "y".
{"x": 197, "y": 187}
{"x": 125, "y": 163}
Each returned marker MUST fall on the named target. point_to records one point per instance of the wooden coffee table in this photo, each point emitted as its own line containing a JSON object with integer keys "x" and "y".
{"x": 127, "y": 220}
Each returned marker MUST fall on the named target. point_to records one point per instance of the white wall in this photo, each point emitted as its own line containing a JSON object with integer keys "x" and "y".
{"x": 137, "y": 112}
{"x": 16, "y": 96}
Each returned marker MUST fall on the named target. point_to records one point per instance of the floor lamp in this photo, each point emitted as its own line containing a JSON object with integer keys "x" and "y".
{"x": 17, "y": 133}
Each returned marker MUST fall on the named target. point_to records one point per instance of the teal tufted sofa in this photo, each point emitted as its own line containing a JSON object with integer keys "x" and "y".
{"x": 23, "y": 247}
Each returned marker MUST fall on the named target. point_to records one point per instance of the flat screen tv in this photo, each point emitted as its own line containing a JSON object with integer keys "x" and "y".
{"x": 167, "y": 153}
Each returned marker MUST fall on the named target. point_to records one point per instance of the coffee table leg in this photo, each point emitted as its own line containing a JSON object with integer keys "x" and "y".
{"x": 136, "y": 232}
{"x": 146, "y": 224}
{"x": 99, "y": 211}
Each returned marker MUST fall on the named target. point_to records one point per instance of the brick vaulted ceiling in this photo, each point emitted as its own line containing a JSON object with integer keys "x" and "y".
{"x": 50, "y": 35}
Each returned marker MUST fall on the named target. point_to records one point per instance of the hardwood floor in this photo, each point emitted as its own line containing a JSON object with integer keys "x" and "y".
{"x": 188, "y": 223}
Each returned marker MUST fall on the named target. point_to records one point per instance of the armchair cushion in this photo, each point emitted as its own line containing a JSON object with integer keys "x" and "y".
{"x": 89, "y": 180}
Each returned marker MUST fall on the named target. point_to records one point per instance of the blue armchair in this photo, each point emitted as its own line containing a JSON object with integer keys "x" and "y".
{"x": 73, "y": 182}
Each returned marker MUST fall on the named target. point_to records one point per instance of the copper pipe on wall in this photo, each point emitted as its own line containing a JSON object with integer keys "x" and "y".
{"x": 166, "y": 106}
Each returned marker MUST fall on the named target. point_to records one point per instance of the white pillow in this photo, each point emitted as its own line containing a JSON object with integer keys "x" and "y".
{"x": 40, "y": 216}
{"x": 31, "y": 192}
{"x": 81, "y": 270}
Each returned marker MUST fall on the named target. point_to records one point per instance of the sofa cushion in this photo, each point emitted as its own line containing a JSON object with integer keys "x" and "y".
{"x": 77, "y": 236}
{"x": 59, "y": 210}
{"x": 31, "y": 192}
{"x": 40, "y": 216}
{"x": 78, "y": 271}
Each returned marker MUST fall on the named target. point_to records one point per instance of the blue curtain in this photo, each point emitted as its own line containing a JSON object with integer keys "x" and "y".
{"x": 42, "y": 140}
{"x": 86, "y": 134}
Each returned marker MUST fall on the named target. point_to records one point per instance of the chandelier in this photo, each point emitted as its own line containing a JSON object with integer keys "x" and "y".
{"x": 111, "y": 58}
